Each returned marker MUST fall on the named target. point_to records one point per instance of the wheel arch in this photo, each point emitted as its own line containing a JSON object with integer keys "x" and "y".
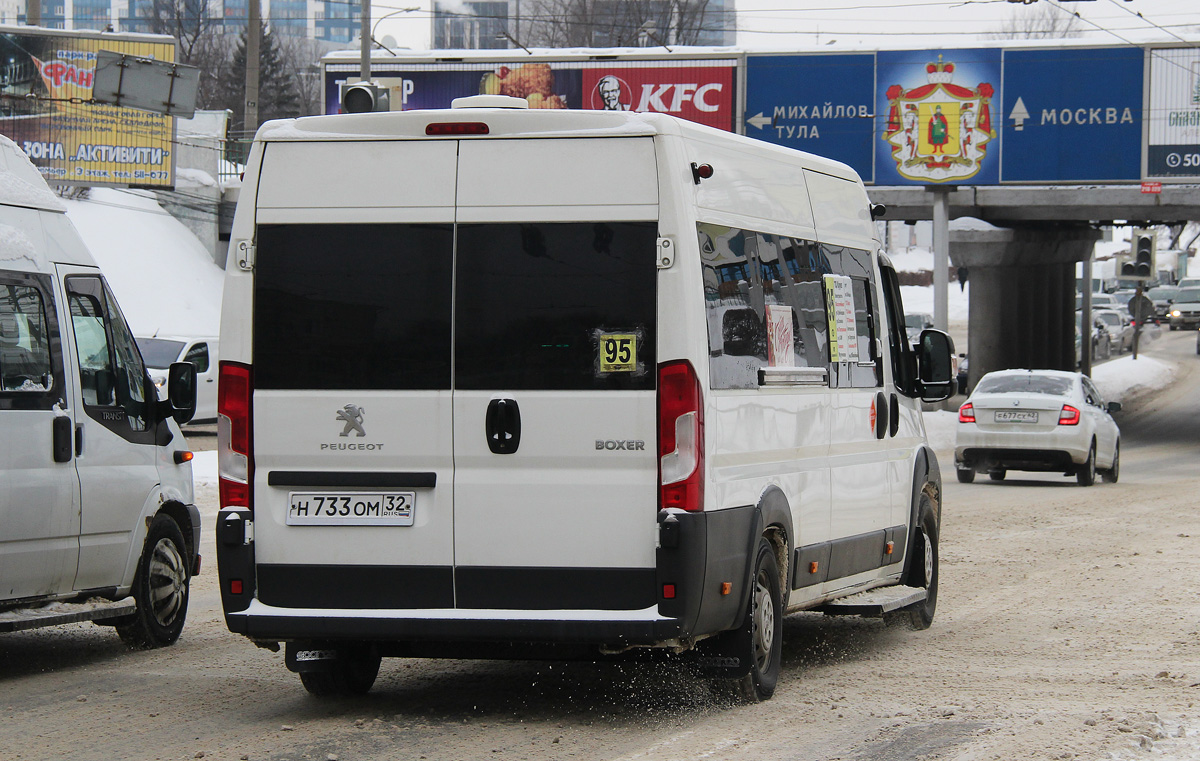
{"x": 927, "y": 480}
{"x": 776, "y": 526}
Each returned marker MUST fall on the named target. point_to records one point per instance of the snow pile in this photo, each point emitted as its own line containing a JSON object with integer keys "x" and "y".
{"x": 1124, "y": 378}
{"x": 164, "y": 278}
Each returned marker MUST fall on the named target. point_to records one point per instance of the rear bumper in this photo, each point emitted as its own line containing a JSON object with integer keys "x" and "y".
{"x": 593, "y": 627}
{"x": 997, "y": 458}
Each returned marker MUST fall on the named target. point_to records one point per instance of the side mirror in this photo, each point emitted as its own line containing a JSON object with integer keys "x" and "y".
{"x": 935, "y": 370}
{"x": 1114, "y": 407}
{"x": 181, "y": 391}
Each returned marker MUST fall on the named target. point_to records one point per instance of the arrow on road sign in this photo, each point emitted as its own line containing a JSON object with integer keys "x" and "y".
{"x": 760, "y": 121}
{"x": 1019, "y": 115}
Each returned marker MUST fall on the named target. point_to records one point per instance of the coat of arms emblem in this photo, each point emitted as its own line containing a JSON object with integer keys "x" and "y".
{"x": 939, "y": 131}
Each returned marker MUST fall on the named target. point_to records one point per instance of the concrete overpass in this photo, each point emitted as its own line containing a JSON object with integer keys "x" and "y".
{"x": 1021, "y": 265}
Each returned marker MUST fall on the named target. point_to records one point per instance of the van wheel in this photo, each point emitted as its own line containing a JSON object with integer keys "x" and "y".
{"x": 353, "y": 673}
{"x": 997, "y": 475}
{"x": 1085, "y": 474}
{"x": 965, "y": 475}
{"x": 160, "y": 587}
{"x": 759, "y": 640}
{"x": 1111, "y": 475}
{"x": 923, "y": 567}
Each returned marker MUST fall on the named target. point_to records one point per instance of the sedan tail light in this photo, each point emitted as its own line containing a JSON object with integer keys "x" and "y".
{"x": 966, "y": 413}
{"x": 1068, "y": 416}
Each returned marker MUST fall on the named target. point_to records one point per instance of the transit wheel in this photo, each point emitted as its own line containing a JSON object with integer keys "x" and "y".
{"x": 759, "y": 640}
{"x": 160, "y": 587}
{"x": 922, "y": 566}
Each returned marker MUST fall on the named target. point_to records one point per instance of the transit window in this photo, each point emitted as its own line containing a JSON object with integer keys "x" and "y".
{"x": 110, "y": 365}
{"x": 24, "y": 341}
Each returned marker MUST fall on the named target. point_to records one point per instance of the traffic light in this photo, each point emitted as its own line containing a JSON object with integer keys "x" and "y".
{"x": 1140, "y": 264}
{"x": 364, "y": 97}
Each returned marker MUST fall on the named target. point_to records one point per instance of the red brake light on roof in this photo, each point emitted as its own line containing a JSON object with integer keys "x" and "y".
{"x": 456, "y": 128}
{"x": 234, "y": 460}
{"x": 680, "y": 437}
{"x": 1068, "y": 416}
{"x": 966, "y": 413}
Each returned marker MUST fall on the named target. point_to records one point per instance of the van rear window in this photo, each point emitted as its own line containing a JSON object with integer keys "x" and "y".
{"x": 556, "y": 306}
{"x": 353, "y": 306}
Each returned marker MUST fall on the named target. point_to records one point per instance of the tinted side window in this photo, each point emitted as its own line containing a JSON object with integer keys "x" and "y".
{"x": 198, "y": 356}
{"x": 24, "y": 341}
{"x": 746, "y": 271}
{"x": 539, "y": 304}
{"x": 353, "y": 306}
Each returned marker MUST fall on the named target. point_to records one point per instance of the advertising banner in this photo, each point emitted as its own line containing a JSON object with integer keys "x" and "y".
{"x": 937, "y": 114}
{"x": 45, "y": 81}
{"x": 698, "y": 90}
{"x": 816, "y": 103}
{"x": 1072, "y": 115}
{"x": 1173, "y": 148}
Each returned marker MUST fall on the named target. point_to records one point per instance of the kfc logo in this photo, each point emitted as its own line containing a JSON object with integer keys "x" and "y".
{"x": 699, "y": 94}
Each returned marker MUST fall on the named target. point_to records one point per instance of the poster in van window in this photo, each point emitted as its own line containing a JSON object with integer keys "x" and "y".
{"x": 839, "y": 305}
{"x": 938, "y": 114}
{"x": 45, "y": 81}
{"x": 701, "y": 91}
{"x": 781, "y": 349}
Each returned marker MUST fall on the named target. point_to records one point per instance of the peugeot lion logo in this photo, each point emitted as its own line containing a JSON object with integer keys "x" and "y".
{"x": 352, "y": 416}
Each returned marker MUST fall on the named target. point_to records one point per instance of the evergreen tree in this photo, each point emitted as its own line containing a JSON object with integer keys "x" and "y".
{"x": 278, "y": 86}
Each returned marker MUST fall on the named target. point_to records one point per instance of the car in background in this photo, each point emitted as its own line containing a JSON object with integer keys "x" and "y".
{"x": 1185, "y": 311}
{"x": 1189, "y": 282}
{"x": 159, "y": 352}
{"x": 1124, "y": 295}
{"x": 914, "y": 323}
{"x": 1163, "y": 296}
{"x": 1119, "y": 326}
{"x": 1037, "y": 420}
{"x": 1101, "y": 342}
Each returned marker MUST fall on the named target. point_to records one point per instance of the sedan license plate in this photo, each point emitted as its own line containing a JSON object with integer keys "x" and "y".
{"x": 1016, "y": 416}
{"x": 391, "y": 508}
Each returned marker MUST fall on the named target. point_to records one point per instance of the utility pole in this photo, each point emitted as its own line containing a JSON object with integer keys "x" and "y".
{"x": 365, "y": 50}
{"x": 253, "y": 61}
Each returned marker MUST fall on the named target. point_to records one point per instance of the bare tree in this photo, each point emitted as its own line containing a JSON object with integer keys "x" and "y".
{"x": 1040, "y": 22}
{"x": 617, "y": 23}
{"x": 192, "y": 22}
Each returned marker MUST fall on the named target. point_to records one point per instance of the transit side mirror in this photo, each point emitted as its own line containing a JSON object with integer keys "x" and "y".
{"x": 935, "y": 370}
{"x": 181, "y": 391}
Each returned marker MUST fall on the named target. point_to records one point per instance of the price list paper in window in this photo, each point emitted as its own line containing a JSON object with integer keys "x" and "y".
{"x": 839, "y": 308}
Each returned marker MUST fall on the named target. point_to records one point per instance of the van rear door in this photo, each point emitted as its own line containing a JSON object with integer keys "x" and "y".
{"x": 555, "y": 496}
{"x": 353, "y": 480}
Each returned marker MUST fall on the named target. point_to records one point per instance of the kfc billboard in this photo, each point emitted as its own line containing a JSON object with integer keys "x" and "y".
{"x": 699, "y": 90}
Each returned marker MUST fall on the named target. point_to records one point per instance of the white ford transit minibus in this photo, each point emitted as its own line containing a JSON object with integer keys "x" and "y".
{"x": 502, "y": 382}
{"x": 96, "y": 514}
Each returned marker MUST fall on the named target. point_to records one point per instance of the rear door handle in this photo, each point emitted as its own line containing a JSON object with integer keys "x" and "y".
{"x": 502, "y": 426}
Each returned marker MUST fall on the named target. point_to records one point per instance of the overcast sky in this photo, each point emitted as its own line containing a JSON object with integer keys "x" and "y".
{"x": 886, "y": 24}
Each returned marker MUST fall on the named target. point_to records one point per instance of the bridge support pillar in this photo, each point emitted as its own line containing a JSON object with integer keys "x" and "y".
{"x": 1022, "y": 282}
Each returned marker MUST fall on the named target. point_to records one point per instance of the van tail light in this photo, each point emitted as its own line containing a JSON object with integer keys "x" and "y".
{"x": 680, "y": 437}
{"x": 234, "y": 435}
{"x": 966, "y": 413}
{"x": 1068, "y": 416}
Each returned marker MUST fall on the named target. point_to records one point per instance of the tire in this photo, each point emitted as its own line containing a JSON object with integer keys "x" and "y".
{"x": 965, "y": 475}
{"x": 997, "y": 475}
{"x": 759, "y": 640}
{"x": 352, "y": 674}
{"x": 160, "y": 587}
{"x": 922, "y": 568}
{"x": 1085, "y": 474}
{"x": 1111, "y": 475}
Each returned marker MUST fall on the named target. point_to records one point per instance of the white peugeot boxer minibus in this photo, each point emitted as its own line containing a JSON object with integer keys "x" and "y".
{"x": 97, "y": 520}
{"x": 501, "y": 382}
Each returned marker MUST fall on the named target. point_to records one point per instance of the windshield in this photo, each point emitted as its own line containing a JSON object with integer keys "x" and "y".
{"x": 1110, "y": 318}
{"x": 1027, "y": 384}
{"x": 159, "y": 353}
{"x": 1188, "y": 295}
{"x": 915, "y": 320}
